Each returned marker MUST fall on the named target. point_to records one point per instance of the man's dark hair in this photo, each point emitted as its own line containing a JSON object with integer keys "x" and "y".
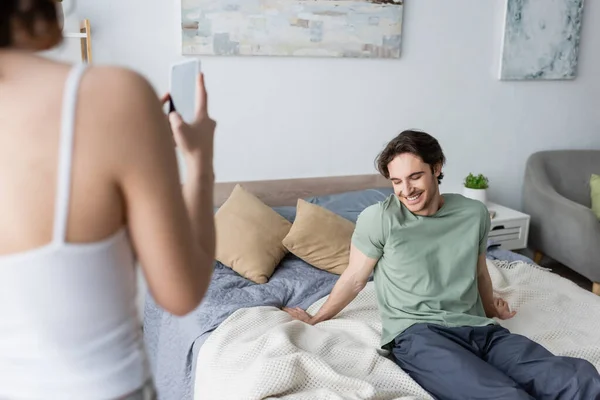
{"x": 27, "y": 14}
{"x": 421, "y": 144}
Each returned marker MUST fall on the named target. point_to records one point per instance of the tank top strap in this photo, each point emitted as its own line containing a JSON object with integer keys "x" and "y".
{"x": 65, "y": 152}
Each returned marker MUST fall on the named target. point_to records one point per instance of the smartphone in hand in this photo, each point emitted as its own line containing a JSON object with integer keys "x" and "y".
{"x": 183, "y": 87}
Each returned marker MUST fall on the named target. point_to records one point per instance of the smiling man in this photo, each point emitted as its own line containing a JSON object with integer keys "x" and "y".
{"x": 439, "y": 314}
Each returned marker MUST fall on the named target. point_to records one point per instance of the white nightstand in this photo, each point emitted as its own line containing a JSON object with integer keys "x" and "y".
{"x": 510, "y": 228}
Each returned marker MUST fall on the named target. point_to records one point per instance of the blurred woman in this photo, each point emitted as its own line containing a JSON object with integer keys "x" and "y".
{"x": 89, "y": 185}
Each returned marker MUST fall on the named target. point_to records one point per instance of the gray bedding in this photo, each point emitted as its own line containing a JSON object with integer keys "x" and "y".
{"x": 173, "y": 342}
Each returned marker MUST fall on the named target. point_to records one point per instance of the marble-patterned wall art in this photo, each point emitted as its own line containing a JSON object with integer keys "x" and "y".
{"x": 302, "y": 28}
{"x": 541, "y": 39}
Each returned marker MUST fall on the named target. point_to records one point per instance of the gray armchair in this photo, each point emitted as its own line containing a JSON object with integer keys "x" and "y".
{"x": 556, "y": 194}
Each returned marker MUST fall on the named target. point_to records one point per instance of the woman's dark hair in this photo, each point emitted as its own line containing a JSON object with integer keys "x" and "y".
{"x": 421, "y": 144}
{"x": 27, "y": 14}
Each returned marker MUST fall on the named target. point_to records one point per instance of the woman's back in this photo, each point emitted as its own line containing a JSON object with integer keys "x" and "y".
{"x": 31, "y": 106}
{"x": 69, "y": 322}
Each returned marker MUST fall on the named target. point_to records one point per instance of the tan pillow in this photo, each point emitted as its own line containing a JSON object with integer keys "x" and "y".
{"x": 320, "y": 237}
{"x": 595, "y": 193}
{"x": 249, "y": 235}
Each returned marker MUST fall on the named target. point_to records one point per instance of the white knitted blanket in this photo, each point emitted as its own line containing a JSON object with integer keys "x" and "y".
{"x": 262, "y": 353}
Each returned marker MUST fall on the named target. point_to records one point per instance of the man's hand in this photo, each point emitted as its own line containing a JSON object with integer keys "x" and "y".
{"x": 502, "y": 309}
{"x": 299, "y": 314}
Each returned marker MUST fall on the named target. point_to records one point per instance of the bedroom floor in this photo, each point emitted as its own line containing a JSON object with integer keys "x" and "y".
{"x": 562, "y": 270}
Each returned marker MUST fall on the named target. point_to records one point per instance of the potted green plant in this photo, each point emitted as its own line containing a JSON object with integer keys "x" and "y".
{"x": 475, "y": 187}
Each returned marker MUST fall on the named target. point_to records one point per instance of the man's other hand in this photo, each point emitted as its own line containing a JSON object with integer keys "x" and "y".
{"x": 502, "y": 309}
{"x": 299, "y": 314}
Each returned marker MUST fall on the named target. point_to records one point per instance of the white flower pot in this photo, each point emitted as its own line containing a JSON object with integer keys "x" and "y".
{"x": 476, "y": 194}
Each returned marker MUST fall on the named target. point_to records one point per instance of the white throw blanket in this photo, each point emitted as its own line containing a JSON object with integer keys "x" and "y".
{"x": 262, "y": 353}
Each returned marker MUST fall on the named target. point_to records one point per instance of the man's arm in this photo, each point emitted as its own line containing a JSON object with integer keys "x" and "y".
{"x": 494, "y": 307}
{"x": 347, "y": 287}
{"x": 369, "y": 237}
{"x": 486, "y": 292}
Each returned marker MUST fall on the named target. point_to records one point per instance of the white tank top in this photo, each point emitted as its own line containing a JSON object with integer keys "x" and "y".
{"x": 69, "y": 327}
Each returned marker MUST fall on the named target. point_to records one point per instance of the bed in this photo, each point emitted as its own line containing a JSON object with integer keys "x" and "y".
{"x": 238, "y": 344}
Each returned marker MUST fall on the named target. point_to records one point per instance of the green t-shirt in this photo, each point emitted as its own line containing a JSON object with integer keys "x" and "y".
{"x": 427, "y": 265}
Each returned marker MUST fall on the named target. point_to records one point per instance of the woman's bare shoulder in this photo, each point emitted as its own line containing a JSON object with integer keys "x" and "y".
{"x": 122, "y": 114}
{"x": 108, "y": 85}
{"x": 119, "y": 85}
{"x": 120, "y": 100}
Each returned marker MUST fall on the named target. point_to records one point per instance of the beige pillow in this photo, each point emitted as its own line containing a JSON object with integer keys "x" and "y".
{"x": 320, "y": 237}
{"x": 249, "y": 235}
{"x": 595, "y": 193}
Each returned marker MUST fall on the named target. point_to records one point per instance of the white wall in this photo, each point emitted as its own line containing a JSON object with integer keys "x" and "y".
{"x": 296, "y": 117}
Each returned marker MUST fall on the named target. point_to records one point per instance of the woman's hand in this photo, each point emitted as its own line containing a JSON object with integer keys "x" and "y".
{"x": 195, "y": 140}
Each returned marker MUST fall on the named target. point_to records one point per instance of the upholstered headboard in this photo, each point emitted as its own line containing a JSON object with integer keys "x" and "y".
{"x": 286, "y": 192}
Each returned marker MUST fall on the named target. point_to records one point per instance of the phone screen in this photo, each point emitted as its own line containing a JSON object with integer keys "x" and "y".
{"x": 183, "y": 89}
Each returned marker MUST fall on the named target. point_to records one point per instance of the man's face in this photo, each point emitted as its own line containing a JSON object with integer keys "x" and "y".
{"x": 414, "y": 183}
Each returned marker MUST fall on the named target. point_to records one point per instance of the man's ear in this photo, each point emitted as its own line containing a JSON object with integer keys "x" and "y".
{"x": 437, "y": 170}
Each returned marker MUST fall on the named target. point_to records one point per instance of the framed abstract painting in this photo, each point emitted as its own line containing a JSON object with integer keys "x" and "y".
{"x": 299, "y": 28}
{"x": 541, "y": 39}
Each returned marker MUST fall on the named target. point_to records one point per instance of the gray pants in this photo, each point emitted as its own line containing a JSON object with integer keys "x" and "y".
{"x": 489, "y": 362}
